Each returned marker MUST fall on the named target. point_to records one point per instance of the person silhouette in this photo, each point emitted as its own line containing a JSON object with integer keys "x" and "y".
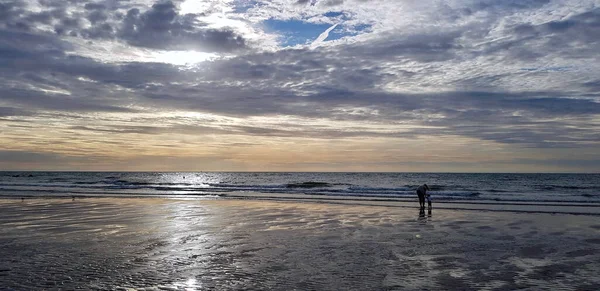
{"x": 428, "y": 198}
{"x": 421, "y": 192}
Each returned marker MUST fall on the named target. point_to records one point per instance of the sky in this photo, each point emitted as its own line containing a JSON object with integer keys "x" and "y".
{"x": 300, "y": 85}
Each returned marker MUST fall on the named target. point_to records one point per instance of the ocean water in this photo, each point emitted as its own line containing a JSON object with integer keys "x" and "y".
{"x": 580, "y": 188}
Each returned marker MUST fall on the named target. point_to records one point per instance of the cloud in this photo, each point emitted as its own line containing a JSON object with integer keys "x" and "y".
{"x": 15, "y": 159}
{"x": 323, "y": 36}
{"x": 303, "y": 2}
{"x": 160, "y": 26}
{"x": 561, "y": 37}
{"x": 41, "y": 100}
{"x": 501, "y": 72}
{"x": 12, "y": 111}
{"x": 37, "y": 73}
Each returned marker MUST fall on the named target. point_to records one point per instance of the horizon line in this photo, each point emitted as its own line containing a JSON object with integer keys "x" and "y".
{"x": 358, "y": 172}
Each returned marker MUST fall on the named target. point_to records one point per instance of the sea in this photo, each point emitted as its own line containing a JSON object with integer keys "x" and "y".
{"x": 478, "y": 187}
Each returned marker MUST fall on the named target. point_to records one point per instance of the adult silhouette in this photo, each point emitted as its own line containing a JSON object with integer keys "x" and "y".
{"x": 421, "y": 192}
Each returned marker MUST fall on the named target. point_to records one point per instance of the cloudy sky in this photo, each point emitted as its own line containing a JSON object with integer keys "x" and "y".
{"x": 300, "y": 85}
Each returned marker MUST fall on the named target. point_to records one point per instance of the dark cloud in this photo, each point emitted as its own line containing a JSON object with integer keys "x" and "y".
{"x": 14, "y": 157}
{"x": 104, "y": 31}
{"x": 584, "y": 25}
{"x": 36, "y": 72}
{"x": 433, "y": 47}
{"x": 97, "y": 16}
{"x": 577, "y": 37}
{"x": 95, "y": 6}
{"x": 593, "y": 86}
{"x": 162, "y": 27}
{"x": 12, "y": 111}
{"x": 42, "y": 100}
{"x": 491, "y": 5}
{"x": 159, "y": 27}
{"x": 9, "y": 15}
{"x": 13, "y": 15}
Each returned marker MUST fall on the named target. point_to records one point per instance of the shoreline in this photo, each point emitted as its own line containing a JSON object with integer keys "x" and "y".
{"x": 573, "y": 208}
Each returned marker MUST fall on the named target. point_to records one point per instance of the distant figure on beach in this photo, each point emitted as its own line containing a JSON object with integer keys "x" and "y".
{"x": 428, "y": 198}
{"x": 421, "y": 192}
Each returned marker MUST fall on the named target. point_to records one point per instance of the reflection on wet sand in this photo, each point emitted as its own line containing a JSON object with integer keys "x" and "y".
{"x": 233, "y": 245}
{"x": 422, "y": 216}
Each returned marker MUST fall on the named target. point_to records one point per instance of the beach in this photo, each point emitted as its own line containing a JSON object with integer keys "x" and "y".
{"x": 234, "y": 244}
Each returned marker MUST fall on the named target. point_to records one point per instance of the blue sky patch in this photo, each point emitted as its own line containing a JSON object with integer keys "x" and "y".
{"x": 295, "y": 32}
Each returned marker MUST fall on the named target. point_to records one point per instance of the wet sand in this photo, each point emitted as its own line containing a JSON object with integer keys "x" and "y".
{"x": 169, "y": 244}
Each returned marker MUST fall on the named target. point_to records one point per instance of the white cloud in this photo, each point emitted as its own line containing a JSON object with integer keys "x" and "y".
{"x": 323, "y": 36}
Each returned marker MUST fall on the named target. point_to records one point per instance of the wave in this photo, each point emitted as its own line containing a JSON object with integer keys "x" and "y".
{"x": 338, "y": 185}
{"x": 308, "y": 185}
{"x": 22, "y": 175}
{"x": 497, "y": 191}
{"x": 566, "y": 187}
{"x": 436, "y": 187}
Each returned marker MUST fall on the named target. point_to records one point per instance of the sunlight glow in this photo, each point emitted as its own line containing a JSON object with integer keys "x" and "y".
{"x": 115, "y": 52}
{"x": 194, "y": 6}
{"x": 198, "y": 6}
{"x": 182, "y": 58}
